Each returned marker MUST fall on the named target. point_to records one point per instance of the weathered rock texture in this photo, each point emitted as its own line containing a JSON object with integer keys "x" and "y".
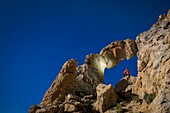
{"x": 117, "y": 51}
{"x": 91, "y": 73}
{"x": 64, "y": 84}
{"x": 106, "y": 97}
{"x": 124, "y": 83}
{"x": 154, "y": 64}
{"x": 84, "y": 79}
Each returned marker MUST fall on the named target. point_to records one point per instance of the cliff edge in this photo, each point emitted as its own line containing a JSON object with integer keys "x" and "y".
{"x": 154, "y": 64}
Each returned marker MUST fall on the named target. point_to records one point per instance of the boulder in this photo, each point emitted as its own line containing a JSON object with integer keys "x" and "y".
{"x": 106, "y": 97}
{"x": 124, "y": 83}
{"x": 69, "y": 108}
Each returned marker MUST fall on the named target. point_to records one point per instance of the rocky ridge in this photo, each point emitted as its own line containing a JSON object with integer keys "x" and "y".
{"x": 81, "y": 89}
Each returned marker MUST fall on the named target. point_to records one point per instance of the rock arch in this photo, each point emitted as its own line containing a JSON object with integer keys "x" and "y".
{"x": 85, "y": 78}
{"x": 91, "y": 73}
{"x": 153, "y": 70}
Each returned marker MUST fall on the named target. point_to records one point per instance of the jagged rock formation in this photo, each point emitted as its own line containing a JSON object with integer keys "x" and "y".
{"x": 63, "y": 85}
{"x": 154, "y": 64}
{"x": 84, "y": 79}
{"x": 80, "y": 89}
{"x": 91, "y": 73}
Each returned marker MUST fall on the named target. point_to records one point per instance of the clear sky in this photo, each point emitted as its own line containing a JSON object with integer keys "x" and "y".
{"x": 38, "y": 36}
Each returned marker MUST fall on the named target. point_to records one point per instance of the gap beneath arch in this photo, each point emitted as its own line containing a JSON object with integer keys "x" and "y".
{"x": 113, "y": 75}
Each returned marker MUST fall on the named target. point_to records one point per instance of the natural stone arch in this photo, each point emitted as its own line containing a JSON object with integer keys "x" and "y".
{"x": 114, "y": 75}
{"x": 153, "y": 71}
{"x": 85, "y": 78}
{"x": 91, "y": 73}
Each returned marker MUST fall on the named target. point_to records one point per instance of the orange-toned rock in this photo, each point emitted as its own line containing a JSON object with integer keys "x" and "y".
{"x": 106, "y": 97}
{"x": 117, "y": 51}
{"x": 64, "y": 84}
{"x": 154, "y": 64}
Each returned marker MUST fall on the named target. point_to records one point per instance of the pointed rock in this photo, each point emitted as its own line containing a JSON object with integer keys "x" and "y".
{"x": 64, "y": 84}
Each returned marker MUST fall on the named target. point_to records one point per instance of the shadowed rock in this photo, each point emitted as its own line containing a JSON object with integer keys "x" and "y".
{"x": 124, "y": 83}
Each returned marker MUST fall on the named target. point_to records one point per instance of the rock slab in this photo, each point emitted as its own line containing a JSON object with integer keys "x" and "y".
{"x": 106, "y": 97}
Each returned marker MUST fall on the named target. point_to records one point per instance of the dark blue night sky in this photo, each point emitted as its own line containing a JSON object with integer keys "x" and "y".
{"x": 38, "y": 36}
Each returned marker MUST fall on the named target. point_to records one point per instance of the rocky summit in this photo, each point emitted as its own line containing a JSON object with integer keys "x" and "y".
{"x": 81, "y": 89}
